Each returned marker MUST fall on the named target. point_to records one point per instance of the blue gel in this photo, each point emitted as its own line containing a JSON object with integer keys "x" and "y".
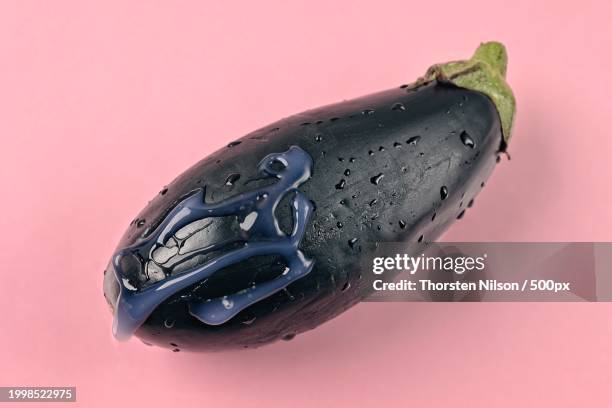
{"x": 263, "y": 235}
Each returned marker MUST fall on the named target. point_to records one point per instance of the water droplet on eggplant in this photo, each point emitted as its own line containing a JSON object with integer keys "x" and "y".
{"x": 467, "y": 140}
{"x": 413, "y": 140}
{"x": 376, "y": 179}
{"x": 232, "y": 179}
{"x": 443, "y": 192}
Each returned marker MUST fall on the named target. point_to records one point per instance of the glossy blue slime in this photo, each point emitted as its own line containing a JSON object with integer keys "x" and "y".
{"x": 263, "y": 234}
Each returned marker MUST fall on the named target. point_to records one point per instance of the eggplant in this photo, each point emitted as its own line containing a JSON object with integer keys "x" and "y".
{"x": 262, "y": 240}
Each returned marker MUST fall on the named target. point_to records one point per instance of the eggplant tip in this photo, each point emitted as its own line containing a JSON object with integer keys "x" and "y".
{"x": 485, "y": 73}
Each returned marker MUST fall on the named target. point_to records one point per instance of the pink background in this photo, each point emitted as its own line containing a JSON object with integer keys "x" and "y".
{"x": 87, "y": 87}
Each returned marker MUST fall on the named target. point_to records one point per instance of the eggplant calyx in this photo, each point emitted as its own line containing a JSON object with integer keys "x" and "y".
{"x": 485, "y": 72}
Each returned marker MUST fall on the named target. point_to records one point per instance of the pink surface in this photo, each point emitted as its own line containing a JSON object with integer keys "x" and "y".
{"x": 86, "y": 89}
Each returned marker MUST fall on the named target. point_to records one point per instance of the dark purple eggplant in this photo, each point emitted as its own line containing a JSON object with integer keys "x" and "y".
{"x": 263, "y": 239}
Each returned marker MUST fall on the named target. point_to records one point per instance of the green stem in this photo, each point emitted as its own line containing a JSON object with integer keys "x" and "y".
{"x": 485, "y": 72}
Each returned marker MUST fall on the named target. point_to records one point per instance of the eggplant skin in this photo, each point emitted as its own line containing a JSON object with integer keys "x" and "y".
{"x": 398, "y": 165}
